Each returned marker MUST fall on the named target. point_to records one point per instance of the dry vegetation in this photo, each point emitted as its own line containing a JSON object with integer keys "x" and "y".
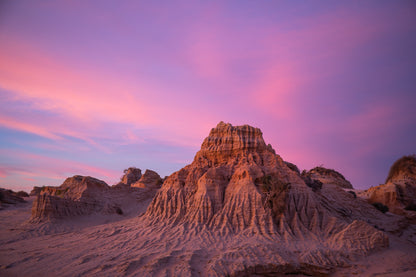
{"x": 404, "y": 165}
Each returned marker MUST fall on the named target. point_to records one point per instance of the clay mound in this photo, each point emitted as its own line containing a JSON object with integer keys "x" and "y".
{"x": 78, "y": 195}
{"x": 238, "y": 185}
{"x": 399, "y": 191}
{"x": 150, "y": 179}
{"x": 84, "y": 195}
{"x": 327, "y": 176}
{"x": 9, "y": 197}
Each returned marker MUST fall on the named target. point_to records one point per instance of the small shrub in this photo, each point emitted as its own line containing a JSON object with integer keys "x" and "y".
{"x": 406, "y": 164}
{"x": 381, "y": 207}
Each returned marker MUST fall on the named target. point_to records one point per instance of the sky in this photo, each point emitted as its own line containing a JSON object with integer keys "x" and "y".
{"x": 95, "y": 87}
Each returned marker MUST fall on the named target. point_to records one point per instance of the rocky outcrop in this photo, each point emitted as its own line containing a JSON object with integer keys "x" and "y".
{"x": 84, "y": 195}
{"x": 327, "y": 176}
{"x": 399, "y": 191}
{"x": 238, "y": 185}
{"x": 35, "y": 191}
{"x": 78, "y": 195}
{"x": 131, "y": 175}
{"x": 237, "y": 210}
{"x": 9, "y": 197}
{"x": 150, "y": 179}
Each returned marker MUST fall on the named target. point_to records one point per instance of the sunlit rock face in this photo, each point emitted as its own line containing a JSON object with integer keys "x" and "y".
{"x": 227, "y": 183}
{"x": 238, "y": 185}
{"x": 399, "y": 191}
{"x": 78, "y": 195}
{"x": 84, "y": 196}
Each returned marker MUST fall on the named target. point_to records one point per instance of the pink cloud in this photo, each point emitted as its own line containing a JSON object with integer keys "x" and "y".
{"x": 79, "y": 93}
{"x": 311, "y": 53}
{"x": 371, "y": 128}
{"x": 12, "y": 123}
{"x": 3, "y": 173}
{"x": 87, "y": 99}
{"x": 274, "y": 90}
{"x": 43, "y": 166}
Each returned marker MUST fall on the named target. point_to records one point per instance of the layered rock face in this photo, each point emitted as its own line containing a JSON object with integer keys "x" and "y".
{"x": 399, "y": 191}
{"x": 84, "y": 195}
{"x": 227, "y": 183}
{"x": 327, "y": 176}
{"x": 238, "y": 185}
{"x": 150, "y": 179}
{"x": 78, "y": 195}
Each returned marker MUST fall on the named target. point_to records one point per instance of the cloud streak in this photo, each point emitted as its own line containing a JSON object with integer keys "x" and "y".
{"x": 322, "y": 81}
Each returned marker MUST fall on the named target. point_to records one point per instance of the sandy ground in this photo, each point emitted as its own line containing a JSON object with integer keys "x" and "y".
{"x": 120, "y": 246}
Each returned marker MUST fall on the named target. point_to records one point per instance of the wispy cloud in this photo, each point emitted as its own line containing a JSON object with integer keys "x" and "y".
{"x": 36, "y": 165}
{"x": 312, "y": 76}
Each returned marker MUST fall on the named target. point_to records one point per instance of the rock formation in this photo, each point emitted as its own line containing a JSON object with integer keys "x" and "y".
{"x": 9, "y": 197}
{"x": 237, "y": 210}
{"x": 150, "y": 179}
{"x": 131, "y": 175}
{"x": 78, "y": 195}
{"x": 327, "y": 176}
{"x": 399, "y": 191}
{"x": 238, "y": 185}
{"x": 81, "y": 196}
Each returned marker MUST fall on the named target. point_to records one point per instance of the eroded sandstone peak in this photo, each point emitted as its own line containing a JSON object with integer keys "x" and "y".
{"x": 226, "y": 142}
{"x": 237, "y": 183}
{"x": 226, "y": 137}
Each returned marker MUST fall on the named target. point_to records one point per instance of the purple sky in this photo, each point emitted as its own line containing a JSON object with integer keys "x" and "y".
{"x": 93, "y": 87}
